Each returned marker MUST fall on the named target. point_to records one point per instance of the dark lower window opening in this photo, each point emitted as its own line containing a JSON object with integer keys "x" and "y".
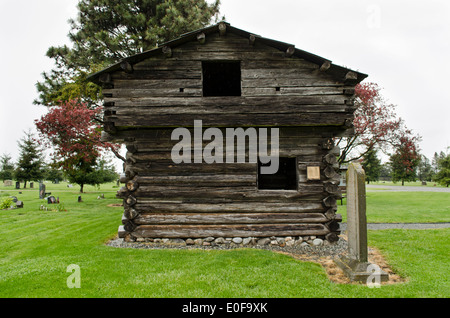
{"x": 284, "y": 179}
{"x": 221, "y": 78}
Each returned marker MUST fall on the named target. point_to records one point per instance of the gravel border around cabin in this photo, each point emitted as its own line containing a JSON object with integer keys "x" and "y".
{"x": 325, "y": 249}
{"x": 311, "y": 247}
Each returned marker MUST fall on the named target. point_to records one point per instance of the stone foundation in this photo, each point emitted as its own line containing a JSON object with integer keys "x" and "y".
{"x": 235, "y": 241}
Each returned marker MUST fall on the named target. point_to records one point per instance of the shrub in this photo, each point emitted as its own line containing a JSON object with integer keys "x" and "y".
{"x": 6, "y": 203}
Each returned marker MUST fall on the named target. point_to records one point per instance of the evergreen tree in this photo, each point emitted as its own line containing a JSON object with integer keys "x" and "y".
{"x": 6, "y": 167}
{"x": 435, "y": 163}
{"x": 443, "y": 175}
{"x": 371, "y": 165}
{"x": 425, "y": 170}
{"x": 93, "y": 172}
{"x": 52, "y": 173}
{"x": 385, "y": 172}
{"x": 107, "y": 31}
{"x": 30, "y": 166}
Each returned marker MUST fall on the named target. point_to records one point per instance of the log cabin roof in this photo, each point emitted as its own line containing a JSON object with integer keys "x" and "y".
{"x": 338, "y": 72}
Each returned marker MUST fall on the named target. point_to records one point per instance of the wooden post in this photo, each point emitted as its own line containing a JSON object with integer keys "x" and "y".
{"x": 356, "y": 265}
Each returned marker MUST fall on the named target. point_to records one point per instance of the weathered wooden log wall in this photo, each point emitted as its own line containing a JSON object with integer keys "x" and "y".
{"x": 145, "y": 101}
{"x": 164, "y": 199}
{"x": 276, "y": 90}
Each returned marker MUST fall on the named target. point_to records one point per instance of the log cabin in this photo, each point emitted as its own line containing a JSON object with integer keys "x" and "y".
{"x": 225, "y": 78}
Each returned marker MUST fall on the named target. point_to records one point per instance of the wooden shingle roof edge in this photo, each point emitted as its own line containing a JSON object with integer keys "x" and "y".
{"x": 340, "y": 73}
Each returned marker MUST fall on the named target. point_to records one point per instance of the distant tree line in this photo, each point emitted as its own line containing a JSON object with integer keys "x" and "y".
{"x": 404, "y": 166}
{"x": 32, "y": 166}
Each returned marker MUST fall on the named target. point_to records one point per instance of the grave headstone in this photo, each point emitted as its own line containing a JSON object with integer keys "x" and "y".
{"x": 41, "y": 191}
{"x": 51, "y": 200}
{"x": 31, "y": 185}
{"x": 7, "y": 183}
{"x": 356, "y": 265}
{"x": 19, "y": 204}
{"x": 17, "y": 185}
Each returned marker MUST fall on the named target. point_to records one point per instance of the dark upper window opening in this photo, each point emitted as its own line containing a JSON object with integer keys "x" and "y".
{"x": 221, "y": 78}
{"x": 284, "y": 179}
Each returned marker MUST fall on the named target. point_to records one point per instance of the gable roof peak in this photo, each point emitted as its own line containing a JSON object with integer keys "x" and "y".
{"x": 339, "y": 72}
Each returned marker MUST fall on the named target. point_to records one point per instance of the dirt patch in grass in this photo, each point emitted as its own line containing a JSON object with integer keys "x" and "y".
{"x": 337, "y": 275}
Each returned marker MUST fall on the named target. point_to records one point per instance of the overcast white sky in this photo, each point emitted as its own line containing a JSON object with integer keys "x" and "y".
{"x": 404, "y": 46}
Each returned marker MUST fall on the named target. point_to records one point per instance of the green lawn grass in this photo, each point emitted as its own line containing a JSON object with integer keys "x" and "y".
{"x": 404, "y": 207}
{"x": 36, "y": 247}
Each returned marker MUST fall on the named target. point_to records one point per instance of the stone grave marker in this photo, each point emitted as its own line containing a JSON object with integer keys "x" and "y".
{"x": 356, "y": 265}
{"x": 41, "y": 191}
{"x": 51, "y": 200}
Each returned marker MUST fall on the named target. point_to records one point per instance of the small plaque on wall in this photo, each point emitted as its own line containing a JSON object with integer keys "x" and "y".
{"x": 313, "y": 173}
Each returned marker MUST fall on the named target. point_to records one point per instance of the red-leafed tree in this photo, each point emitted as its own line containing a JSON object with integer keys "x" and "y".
{"x": 375, "y": 124}
{"x": 406, "y": 158}
{"x": 74, "y": 134}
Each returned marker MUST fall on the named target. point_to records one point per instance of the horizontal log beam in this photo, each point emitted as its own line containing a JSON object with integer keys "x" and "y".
{"x": 146, "y": 101}
{"x": 148, "y": 206}
{"x": 153, "y": 135}
{"x": 255, "y": 230}
{"x": 325, "y": 66}
{"x": 167, "y": 168}
{"x": 226, "y": 120}
{"x": 166, "y": 154}
{"x": 222, "y": 28}
{"x": 126, "y": 67}
{"x": 132, "y": 185}
{"x": 252, "y": 39}
{"x": 105, "y": 78}
{"x": 330, "y": 159}
{"x": 201, "y": 38}
{"x": 350, "y": 77}
{"x": 130, "y": 214}
{"x": 167, "y": 51}
{"x": 206, "y": 180}
{"x": 167, "y": 91}
{"x": 228, "y": 218}
{"x": 290, "y": 51}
